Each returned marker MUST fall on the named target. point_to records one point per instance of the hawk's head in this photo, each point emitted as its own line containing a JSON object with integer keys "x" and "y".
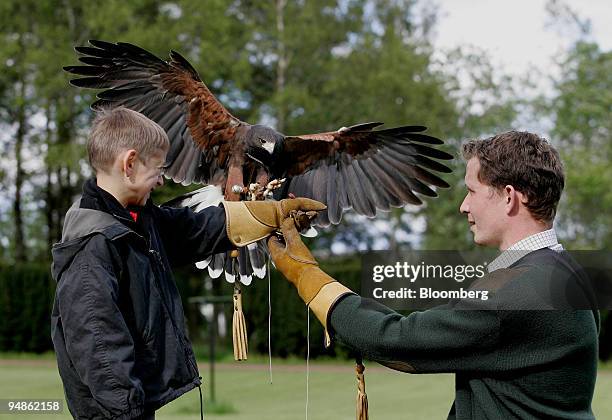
{"x": 263, "y": 143}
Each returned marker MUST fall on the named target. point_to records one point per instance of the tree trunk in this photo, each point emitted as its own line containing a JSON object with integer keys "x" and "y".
{"x": 281, "y": 66}
{"x": 49, "y": 197}
{"x": 20, "y": 249}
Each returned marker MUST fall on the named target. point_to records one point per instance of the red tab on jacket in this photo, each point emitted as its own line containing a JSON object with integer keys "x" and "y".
{"x": 134, "y": 215}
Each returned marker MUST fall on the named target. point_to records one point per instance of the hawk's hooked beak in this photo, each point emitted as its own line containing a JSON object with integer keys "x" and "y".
{"x": 268, "y": 146}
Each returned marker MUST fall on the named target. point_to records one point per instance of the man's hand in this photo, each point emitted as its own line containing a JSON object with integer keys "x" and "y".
{"x": 250, "y": 221}
{"x": 292, "y": 258}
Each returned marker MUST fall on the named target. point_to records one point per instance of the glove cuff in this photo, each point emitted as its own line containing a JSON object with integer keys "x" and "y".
{"x": 311, "y": 279}
{"x": 247, "y": 224}
{"x": 323, "y": 302}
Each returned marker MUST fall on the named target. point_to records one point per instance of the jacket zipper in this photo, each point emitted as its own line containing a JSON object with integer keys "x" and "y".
{"x": 159, "y": 262}
{"x": 158, "y": 259}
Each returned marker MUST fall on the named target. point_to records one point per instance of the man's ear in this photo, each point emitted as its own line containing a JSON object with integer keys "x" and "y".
{"x": 128, "y": 161}
{"x": 513, "y": 199}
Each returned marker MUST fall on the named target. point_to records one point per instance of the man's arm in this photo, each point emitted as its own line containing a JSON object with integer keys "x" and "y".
{"x": 436, "y": 340}
{"x": 97, "y": 338}
{"x": 440, "y": 340}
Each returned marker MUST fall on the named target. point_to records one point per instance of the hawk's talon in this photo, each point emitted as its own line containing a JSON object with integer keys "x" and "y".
{"x": 256, "y": 192}
{"x": 302, "y": 219}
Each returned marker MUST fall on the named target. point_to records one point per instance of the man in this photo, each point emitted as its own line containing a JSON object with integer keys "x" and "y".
{"x": 509, "y": 362}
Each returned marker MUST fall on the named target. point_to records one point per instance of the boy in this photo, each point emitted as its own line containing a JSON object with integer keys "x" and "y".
{"x": 117, "y": 322}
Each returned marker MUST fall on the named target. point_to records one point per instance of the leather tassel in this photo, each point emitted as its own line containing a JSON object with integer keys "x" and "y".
{"x": 239, "y": 332}
{"x": 362, "y": 397}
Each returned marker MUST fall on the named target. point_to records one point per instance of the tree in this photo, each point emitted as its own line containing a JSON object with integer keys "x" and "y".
{"x": 582, "y": 128}
{"x": 17, "y": 105}
{"x": 581, "y": 110}
{"x": 485, "y": 103}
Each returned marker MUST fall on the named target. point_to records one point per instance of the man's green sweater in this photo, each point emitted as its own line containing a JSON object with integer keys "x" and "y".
{"x": 509, "y": 363}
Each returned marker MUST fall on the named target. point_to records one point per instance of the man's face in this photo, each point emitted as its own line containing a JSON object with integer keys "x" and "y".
{"x": 146, "y": 177}
{"x": 484, "y": 207}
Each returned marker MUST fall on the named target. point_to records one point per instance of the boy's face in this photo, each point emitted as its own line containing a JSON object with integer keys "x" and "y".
{"x": 146, "y": 176}
{"x": 484, "y": 208}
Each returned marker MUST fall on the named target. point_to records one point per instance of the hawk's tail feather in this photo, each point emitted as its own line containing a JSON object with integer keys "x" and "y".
{"x": 251, "y": 263}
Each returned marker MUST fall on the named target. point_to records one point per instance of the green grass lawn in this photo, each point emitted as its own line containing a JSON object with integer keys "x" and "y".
{"x": 244, "y": 390}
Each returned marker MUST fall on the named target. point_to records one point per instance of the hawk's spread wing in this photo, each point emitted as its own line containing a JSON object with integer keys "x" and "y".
{"x": 201, "y": 131}
{"x": 362, "y": 169}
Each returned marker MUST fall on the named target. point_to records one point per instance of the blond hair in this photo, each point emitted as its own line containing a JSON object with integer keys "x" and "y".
{"x": 115, "y": 130}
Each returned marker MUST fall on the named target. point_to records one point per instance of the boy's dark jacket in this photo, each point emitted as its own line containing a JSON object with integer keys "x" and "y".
{"x": 117, "y": 323}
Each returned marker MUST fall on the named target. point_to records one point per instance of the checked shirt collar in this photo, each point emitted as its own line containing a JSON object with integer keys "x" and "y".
{"x": 540, "y": 240}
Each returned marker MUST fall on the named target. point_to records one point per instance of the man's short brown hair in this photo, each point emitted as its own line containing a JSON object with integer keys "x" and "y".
{"x": 527, "y": 162}
{"x": 118, "y": 129}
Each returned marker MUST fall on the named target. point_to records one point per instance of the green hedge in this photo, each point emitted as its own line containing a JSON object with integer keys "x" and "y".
{"x": 288, "y": 321}
{"x": 27, "y": 291}
{"x": 26, "y": 300}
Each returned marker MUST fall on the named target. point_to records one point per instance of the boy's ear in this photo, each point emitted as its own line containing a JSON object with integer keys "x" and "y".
{"x": 128, "y": 161}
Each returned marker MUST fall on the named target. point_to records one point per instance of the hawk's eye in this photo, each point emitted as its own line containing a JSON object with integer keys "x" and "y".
{"x": 262, "y": 141}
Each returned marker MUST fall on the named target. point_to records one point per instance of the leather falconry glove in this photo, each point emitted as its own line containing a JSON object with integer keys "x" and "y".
{"x": 250, "y": 221}
{"x": 293, "y": 259}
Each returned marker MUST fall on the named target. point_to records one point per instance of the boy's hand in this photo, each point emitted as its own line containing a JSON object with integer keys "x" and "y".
{"x": 250, "y": 221}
